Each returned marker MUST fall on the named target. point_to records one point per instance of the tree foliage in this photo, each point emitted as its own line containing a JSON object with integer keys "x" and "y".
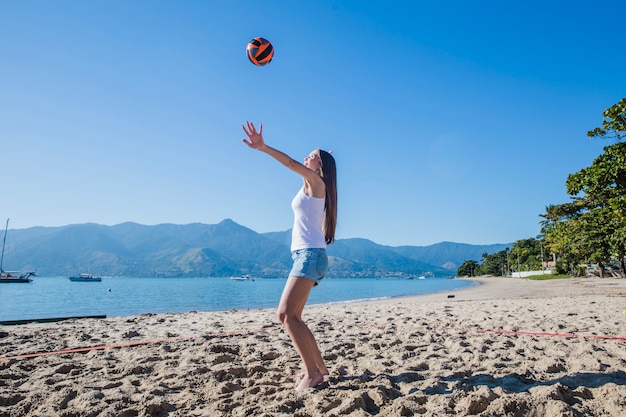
{"x": 467, "y": 269}
{"x": 495, "y": 264}
{"x": 614, "y": 123}
{"x": 526, "y": 255}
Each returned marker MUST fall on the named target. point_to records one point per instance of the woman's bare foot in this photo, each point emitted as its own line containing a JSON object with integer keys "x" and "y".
{"x": 323, "y": 372}
{"x": 309, "y": 382}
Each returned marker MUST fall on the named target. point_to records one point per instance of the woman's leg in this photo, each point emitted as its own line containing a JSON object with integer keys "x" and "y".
{"x": 295, "y": 295}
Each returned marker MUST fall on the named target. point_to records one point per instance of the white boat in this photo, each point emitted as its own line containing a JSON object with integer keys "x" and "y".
{"x": 244, "y": 277}
{"x": 15, "y": 276}
{"x": 87, "y": 278}
{"x": 12, "y": 276}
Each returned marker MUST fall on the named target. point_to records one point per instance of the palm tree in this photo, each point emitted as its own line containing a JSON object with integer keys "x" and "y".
{"x": 551, "y": 217}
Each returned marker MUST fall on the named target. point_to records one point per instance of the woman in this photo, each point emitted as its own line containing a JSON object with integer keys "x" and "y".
{"x": 315, "y": 218}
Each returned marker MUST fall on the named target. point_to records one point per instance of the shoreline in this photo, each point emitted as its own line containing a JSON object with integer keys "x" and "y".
{"x": 512, "y": 288}
{"x": 394, "y": 297}
{"x": 508, "y": 346}
{"x": 117, "y": 301}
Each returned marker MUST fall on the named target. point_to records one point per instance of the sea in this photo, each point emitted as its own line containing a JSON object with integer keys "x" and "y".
{"x": 58, "y": 297}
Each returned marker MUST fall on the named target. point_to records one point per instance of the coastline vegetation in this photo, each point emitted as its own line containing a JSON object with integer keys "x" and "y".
{"x": 586, "y": 236}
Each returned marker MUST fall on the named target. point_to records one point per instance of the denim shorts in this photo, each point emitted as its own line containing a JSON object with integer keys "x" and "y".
{"x": 309, "y": 263}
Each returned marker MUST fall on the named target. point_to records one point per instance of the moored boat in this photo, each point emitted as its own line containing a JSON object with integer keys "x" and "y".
{"x": 7, "y": 277}
{"x": 15, "y": 276}
{"x": 244, "y": 277}
{"x": 87, "y": 278}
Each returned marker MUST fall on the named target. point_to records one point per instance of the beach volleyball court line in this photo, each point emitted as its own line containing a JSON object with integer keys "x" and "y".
{"x": 515, "y": 333}
{"x": 130, "y": 344}
{"x": 524, "y": 333}
{"x": 547, "y": 334}
{"x": 258, "y": 329}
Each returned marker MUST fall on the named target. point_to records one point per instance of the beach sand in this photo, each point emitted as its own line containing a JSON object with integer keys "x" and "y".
{"x": 509, "y": 347}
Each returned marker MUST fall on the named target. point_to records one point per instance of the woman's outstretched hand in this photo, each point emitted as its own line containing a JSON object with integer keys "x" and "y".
{"x": 255, "y": 139}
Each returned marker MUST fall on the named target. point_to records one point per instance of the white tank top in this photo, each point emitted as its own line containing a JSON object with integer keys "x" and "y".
{"x": 307, "y": 232}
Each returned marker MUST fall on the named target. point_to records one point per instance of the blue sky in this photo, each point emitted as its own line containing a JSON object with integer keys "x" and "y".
{"x": 449, "y": 120}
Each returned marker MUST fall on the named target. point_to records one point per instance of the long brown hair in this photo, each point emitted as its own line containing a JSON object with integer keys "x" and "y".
{"x": 329, "y": 174}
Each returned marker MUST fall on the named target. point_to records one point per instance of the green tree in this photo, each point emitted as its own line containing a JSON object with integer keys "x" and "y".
{"x": 560, "y": 234}
{"x": 614, "y": 123}
{"x": 564, "y": 240}
{"x": 467, "y": 269}
{"x": 525, "y": 255}
{"x": 495, "y": 264}
{"x": 552, "y": 216}
{"x": 603, "y": 185}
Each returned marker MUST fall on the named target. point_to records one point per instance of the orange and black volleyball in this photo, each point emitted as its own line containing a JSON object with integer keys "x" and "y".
{"x": 260, "y": 51}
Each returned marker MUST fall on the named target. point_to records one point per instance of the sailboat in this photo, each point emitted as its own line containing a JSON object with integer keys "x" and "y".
{"x": 12, "y": 276}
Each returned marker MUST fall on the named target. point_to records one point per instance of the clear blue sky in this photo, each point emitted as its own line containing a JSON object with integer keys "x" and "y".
{"x": 449, "y": 120}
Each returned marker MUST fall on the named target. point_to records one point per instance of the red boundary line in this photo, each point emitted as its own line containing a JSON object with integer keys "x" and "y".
{"x": 130, "y": 344}
{"x": 237, "y": 332}
{"x": 510, "y": 332}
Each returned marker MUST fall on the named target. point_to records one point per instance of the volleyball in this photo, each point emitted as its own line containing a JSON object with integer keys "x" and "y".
{"x": 260, "y": 51}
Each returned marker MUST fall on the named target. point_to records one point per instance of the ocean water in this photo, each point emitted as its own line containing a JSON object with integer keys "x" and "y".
{"x": 51, "y": 297}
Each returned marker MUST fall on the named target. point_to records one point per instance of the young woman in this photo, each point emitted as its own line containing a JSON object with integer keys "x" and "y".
{"x": 315, "y": 218}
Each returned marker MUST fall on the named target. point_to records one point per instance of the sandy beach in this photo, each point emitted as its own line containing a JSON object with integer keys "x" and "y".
{"x": 508, "y": 347}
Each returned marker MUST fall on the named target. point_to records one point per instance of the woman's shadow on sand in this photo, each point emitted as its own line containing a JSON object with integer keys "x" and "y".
{"x": 517, "y": 383}
{"x": 513, "y": 382}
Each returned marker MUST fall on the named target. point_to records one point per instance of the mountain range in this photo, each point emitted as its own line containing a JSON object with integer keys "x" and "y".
{"x": 223, "y": 249}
